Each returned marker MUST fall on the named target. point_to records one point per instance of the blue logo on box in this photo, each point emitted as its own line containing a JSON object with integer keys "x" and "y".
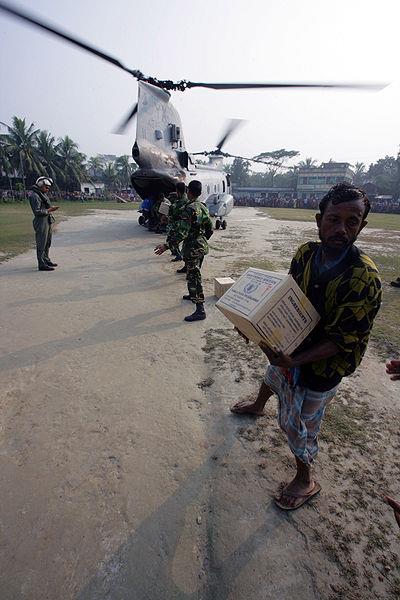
{"x": 251, "y": 287}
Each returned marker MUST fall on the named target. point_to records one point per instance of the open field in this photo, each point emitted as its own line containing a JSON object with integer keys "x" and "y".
{"x": 16, "y": 233}
{"x": 389, "y": 222}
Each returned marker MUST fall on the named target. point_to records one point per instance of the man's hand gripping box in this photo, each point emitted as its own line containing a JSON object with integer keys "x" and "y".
{"x": 269, "y": 307}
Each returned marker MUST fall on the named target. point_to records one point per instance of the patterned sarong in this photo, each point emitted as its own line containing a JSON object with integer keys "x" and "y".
{"x": 300, "y": 411}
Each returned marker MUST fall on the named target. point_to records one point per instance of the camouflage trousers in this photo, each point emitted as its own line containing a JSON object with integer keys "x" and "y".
{"x": 174, "y": 247}
{"x": 193, "y": 277}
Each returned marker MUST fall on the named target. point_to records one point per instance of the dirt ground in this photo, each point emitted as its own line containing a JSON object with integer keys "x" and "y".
{"x": 123, "y": 474}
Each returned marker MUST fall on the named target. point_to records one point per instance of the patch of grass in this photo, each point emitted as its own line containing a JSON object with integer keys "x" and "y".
{"x": 16, "y": 231}
{"x": 386, "y": 331}
{"x": 346, "y": 423}
{"x": 376, "y": 220}
{"x": 238, "y": 267}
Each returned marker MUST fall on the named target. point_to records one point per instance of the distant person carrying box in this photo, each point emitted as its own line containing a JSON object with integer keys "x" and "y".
{"x": 343, "y": 285}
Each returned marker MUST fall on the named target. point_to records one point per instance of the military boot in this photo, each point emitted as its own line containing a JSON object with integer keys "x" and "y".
{"x": 198, "y": 315}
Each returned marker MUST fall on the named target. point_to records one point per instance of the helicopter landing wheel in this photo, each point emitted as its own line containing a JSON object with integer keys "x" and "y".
{"x": 224, "y": 224}
{"x": 217, "y": 224}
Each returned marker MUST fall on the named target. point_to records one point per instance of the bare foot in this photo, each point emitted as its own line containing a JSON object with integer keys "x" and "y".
{"x": 247, "y": 407}
{"x": 296, "y": 493}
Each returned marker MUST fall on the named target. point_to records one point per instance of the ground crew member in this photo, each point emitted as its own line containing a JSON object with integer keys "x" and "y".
{"x": 194, "y": 229}
{"x": 177, "y": 204}
{"x": 42, "y": 222}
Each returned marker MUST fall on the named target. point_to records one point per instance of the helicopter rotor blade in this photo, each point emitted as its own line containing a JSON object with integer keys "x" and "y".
{"x": 248, "y": 86}
{"x": 29, "y": 18}
{"x": 123, "y": 125}
{"x": 233, "y": 124}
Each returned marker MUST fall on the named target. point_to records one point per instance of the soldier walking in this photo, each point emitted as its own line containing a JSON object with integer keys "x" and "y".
{"x": 42, "y": 222}
{"x": 193, "y": 229}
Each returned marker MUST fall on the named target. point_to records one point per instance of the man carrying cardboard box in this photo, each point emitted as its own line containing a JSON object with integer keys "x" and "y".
{"x": 344, "y": 286}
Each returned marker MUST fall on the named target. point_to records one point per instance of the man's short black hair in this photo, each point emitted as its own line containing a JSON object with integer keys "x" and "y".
{"x": 345, "y": 192}
{"x": 195, "y": 188}
{"x": 180, "y": 187}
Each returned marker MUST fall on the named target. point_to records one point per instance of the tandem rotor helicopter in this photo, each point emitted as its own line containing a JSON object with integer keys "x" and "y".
{"x": 159, "y": 149}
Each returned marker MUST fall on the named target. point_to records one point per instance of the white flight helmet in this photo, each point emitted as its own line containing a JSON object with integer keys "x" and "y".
{"x": 41, "y": 181}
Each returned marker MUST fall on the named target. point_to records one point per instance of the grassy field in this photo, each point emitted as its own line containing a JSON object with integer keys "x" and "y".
{"x": 375, "y": 220}
{"x": 16, "y": 232}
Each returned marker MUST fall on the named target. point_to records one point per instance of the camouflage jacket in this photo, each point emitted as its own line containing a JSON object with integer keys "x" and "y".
{"x": 177, "y": 204}
{"x": 193, "y": 228}
{"x": 347, "y": 298}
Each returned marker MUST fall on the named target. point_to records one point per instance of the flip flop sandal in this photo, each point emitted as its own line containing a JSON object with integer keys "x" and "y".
{"x": 280, "y": 489}
{"x": 302, "y": 497}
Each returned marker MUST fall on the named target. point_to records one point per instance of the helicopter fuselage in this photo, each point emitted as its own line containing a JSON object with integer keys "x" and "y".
{"x": 160, "y": 154}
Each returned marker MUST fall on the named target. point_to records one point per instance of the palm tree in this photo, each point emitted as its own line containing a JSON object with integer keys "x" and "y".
{"x": 47, "y": 155}
{"x": 359, "y": 173}
{"x": 95, "y": 167}
{"x": 110, "y": 176}
{"x": 6, "y": 169}
{"x": 71, "y": 163}
{"x": 124, "y": 169}
{"x": 22, "y": 148}
{"x": 308, "y": 163}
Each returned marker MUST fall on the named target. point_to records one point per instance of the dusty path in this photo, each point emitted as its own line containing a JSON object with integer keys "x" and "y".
{"x": 123, "y": 476}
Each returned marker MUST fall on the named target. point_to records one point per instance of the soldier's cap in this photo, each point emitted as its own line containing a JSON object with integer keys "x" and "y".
{"x": 41, "y": 181}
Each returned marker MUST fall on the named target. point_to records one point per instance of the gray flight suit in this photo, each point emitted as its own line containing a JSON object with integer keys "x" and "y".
{"x": 42, "y": 224}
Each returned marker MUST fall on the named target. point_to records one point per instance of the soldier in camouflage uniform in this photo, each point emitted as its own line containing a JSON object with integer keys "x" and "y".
{"x": 177, "y": 203}
{"x": 194, "y": 229}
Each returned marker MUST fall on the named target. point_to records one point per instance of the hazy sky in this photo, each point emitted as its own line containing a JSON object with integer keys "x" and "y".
{"x": 67, "y": 91}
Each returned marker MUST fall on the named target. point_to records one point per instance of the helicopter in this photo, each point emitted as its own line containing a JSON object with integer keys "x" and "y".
{"x": 159, "y": 149}
{"x": 160, "y": 153}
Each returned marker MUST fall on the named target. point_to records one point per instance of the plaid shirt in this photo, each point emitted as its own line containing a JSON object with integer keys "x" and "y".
{"x": 348, "y": 298}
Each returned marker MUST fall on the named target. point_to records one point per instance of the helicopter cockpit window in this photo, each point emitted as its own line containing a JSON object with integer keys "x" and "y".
{"x": 208, "y": 189}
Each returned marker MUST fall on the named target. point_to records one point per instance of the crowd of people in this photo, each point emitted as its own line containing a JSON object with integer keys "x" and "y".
{"x": 289, "y": 201}
{"x": 76, "y": 196}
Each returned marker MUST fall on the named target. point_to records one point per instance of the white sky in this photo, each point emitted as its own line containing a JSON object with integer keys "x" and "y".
{"x": 67, "y": 91}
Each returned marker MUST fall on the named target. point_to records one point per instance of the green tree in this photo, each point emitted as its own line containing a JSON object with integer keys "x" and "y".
{"x": 385, "y": 174}
{"x": 239, "y": 171}
{"x": 71, "y": 163}
{"x": 95, "y": 167}
{"x": 47, "y": 155}
{"x": 275, "y": 162}
{"x": 308, "y": 163}
{"x": 123, "y": 167}
{"x": 21, "y": 145}
{"x": 359, "y": 173}
{"x": 6, "y": 169}
{"x": 110, "y": 176}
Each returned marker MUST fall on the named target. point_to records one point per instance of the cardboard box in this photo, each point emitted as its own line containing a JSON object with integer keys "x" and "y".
{"x": 270, "y": 307}
{"x": 222, "y": 285}
{"x": 164, "y": 207}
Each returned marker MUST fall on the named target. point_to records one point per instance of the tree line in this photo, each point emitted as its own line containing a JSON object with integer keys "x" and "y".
{"x": 384, "y": 173}
{"x": 27, "y": 152}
